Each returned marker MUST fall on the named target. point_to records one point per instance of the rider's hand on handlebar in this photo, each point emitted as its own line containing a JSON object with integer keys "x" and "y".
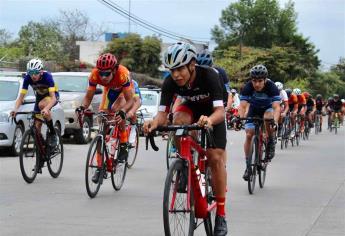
{"x": 149, "y": 126}
{"x": 120, "y": 116}
{"x": 13, "y": 113}
{"x": 205, "y": 121}
{"x": 80, "y": 109}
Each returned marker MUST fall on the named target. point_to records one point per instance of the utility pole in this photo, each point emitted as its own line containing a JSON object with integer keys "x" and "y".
{"x": 129, "y": 16}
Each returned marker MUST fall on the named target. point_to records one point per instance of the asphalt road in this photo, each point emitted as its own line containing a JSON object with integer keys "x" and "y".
{"x": 304, "y": 194}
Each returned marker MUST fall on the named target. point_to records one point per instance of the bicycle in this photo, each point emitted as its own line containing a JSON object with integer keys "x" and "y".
{"x": 285, "y": 132}
{"x": 188, "y": 195}
{"x": 102, "y": 156}
{"x": 258, "y": 162}
{"x": 335, "y": 124}
{"x": 35, "y": 151}
{"x": 305, "y": 134}
{"x": 318, "y": 116}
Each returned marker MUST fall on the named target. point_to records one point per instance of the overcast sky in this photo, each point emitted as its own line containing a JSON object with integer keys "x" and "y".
{"x": 323, "y": 21}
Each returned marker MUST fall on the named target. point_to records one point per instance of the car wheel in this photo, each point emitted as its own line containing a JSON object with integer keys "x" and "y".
{"x": 17, "y": 139}
{"x": 83, "y": 135}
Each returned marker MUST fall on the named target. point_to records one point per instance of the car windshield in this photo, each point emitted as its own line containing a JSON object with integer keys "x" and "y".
{"x": 8, "y": 90}
{"x": 71, "y": 83}
{"x": 149, "y": 99}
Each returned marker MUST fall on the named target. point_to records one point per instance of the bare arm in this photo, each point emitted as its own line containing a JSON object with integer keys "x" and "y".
{"x": 129, "y": 99}
{"x": 243, "y": 109}
{"x": 19, "y": 101}
{"x": 88, "y": 98}
{"x": 218, "y": 115}
{"x": 52, "y": 100}
{"x": 276, "y": 111}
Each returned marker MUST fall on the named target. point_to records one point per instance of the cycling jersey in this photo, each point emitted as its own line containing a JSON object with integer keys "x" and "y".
{"x": 200, "y": 98}
{"x": 319, "y": 104}
{"x": 205, "y": 92}
{"x": 283, "y": 96}
{"x": 225, "y": 82}
{"x": 310, "y": 104}
{"x": 42, "y": 88}
{"x": 111, "y": 91}
{"x": 136, "y": 90}
{"x": 335, "y": 105}
{"x": 301, "y": 100}
{"x": 260, "y": 99}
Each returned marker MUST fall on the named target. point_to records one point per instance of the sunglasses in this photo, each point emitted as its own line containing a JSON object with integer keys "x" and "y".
{"x": 104, "y": 73}
{"x": 33, "y": 72}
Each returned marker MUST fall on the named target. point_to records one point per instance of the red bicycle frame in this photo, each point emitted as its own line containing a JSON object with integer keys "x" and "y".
{"x": 195, "y": 179}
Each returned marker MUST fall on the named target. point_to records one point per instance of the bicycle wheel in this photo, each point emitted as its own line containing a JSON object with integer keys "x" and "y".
{"x": 209, "y": 222}
{"x": 133, "y": 149}
{"x": 252, "y": 168}
{"x": 262, "y": 165}
{"x": 55, "y": 157}
{"x": 177, "y": 219}
{"x": 92, "y": 166}
{"x": 29, "y": 157}
{"x": 171, "y": 149}
{"x": 317, "y": 121}
{"x": 118, "y": 174}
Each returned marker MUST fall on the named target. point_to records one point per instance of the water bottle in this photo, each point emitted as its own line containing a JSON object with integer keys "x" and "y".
{"x": 132, "y": 134}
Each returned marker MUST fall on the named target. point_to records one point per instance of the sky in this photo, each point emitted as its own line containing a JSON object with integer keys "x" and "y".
{"x": 322, "y": 21}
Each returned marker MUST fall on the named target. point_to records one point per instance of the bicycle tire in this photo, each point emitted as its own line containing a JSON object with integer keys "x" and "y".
{"x": 29, "y": 144}
{"x": 91, "y": 187}
{"x": 55, "y": 172}
{"x": 118, "y": 174}
{"x": 175, "y": 187}
{"x": 209, "y": 222}
{"x": 133, "y": 150}
{"x": 262, "y": 165}
{"x": 317, "y": 124}
{"x": 252, "y": 165}
{"x": 170, "y": 145}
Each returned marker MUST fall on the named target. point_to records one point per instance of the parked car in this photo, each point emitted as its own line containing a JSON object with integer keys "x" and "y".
{"x": 72, "y": 88}
{"x": 10, "y": 133}
{"x": 150, "y": 101}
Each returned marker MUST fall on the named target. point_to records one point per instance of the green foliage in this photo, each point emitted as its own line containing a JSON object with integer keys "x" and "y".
{"x": 5, "y": 37}
{"x": 339, "y": 69}
{"x": 11, "y": 52}
{"x": 259, "y": 23}
{"x": 139, "y": 55}
{"x": 41, "y": 40}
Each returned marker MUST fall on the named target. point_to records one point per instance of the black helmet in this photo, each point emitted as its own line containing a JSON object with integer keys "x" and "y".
{"x": 288, "y": 92}
{"x": 258, "y": 71}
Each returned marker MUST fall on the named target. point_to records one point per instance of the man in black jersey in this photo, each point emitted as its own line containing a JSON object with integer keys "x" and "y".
{"x": 200, "y": 88}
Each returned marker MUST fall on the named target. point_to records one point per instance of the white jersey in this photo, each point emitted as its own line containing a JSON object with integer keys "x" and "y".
{"x": 236, "y": 101}
{"x": 283, "y": 96}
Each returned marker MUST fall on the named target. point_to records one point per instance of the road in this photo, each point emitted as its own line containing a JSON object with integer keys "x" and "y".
{"x": 304, "y": 194}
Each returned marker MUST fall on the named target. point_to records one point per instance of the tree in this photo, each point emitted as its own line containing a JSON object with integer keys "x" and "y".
{"x": 139, "y": 55}
{"x": 41, "y": 40}
{"x": 339, "y": 69}
{"x": 259, "y": 23}
{"x": 5, "y": 37}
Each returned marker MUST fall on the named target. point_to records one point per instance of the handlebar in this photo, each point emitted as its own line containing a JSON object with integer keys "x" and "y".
{"x": 24, "y": 113}
{"x": 208, "y": 132}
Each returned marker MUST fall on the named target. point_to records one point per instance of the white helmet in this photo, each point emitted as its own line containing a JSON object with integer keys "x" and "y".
{"x": 279, "y": 85}
{"x": 297, "y": 91}
{"x": 342, "y": 100}
{"x": 178, "y": 54}
{"x": 34, "y": 64}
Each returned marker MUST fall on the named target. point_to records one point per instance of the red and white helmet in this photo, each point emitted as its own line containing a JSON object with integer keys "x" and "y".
{"x": 106, "y": 61}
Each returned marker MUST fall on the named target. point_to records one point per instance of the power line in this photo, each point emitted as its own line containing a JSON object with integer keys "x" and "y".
{"x": 146, "y": 24}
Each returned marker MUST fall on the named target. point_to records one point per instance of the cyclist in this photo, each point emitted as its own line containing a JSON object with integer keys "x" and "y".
{"x": 335, "y": 106}
{"x": 201, "y": 90}
{"x": 204, "y": 58}
{"x": 261, "y": 97}
{"x": 284, "y": 105}
{"x": 311, "y": 108}
{"x": 46, "y": 93}
{"x": 115, "y": 80}
{"x": 301, "y": 106}
{"x": 319, "y": 104}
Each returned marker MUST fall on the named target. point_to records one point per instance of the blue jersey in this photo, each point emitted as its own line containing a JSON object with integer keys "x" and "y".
{"x": 260, "y": 99}
{"x": 223, "y": 78}
{"x": 136, "y": 89}
{"x": 41, "y": 87}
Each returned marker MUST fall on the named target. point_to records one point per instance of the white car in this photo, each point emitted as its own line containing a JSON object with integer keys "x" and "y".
{"x": 10, "y": 133}
{"x": 72, "y": 89}
{"x": 150, "y": 101}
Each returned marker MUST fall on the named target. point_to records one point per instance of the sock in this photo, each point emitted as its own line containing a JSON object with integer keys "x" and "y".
{"x": 220, "y": 206}
{"x": 51, "y": 126}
